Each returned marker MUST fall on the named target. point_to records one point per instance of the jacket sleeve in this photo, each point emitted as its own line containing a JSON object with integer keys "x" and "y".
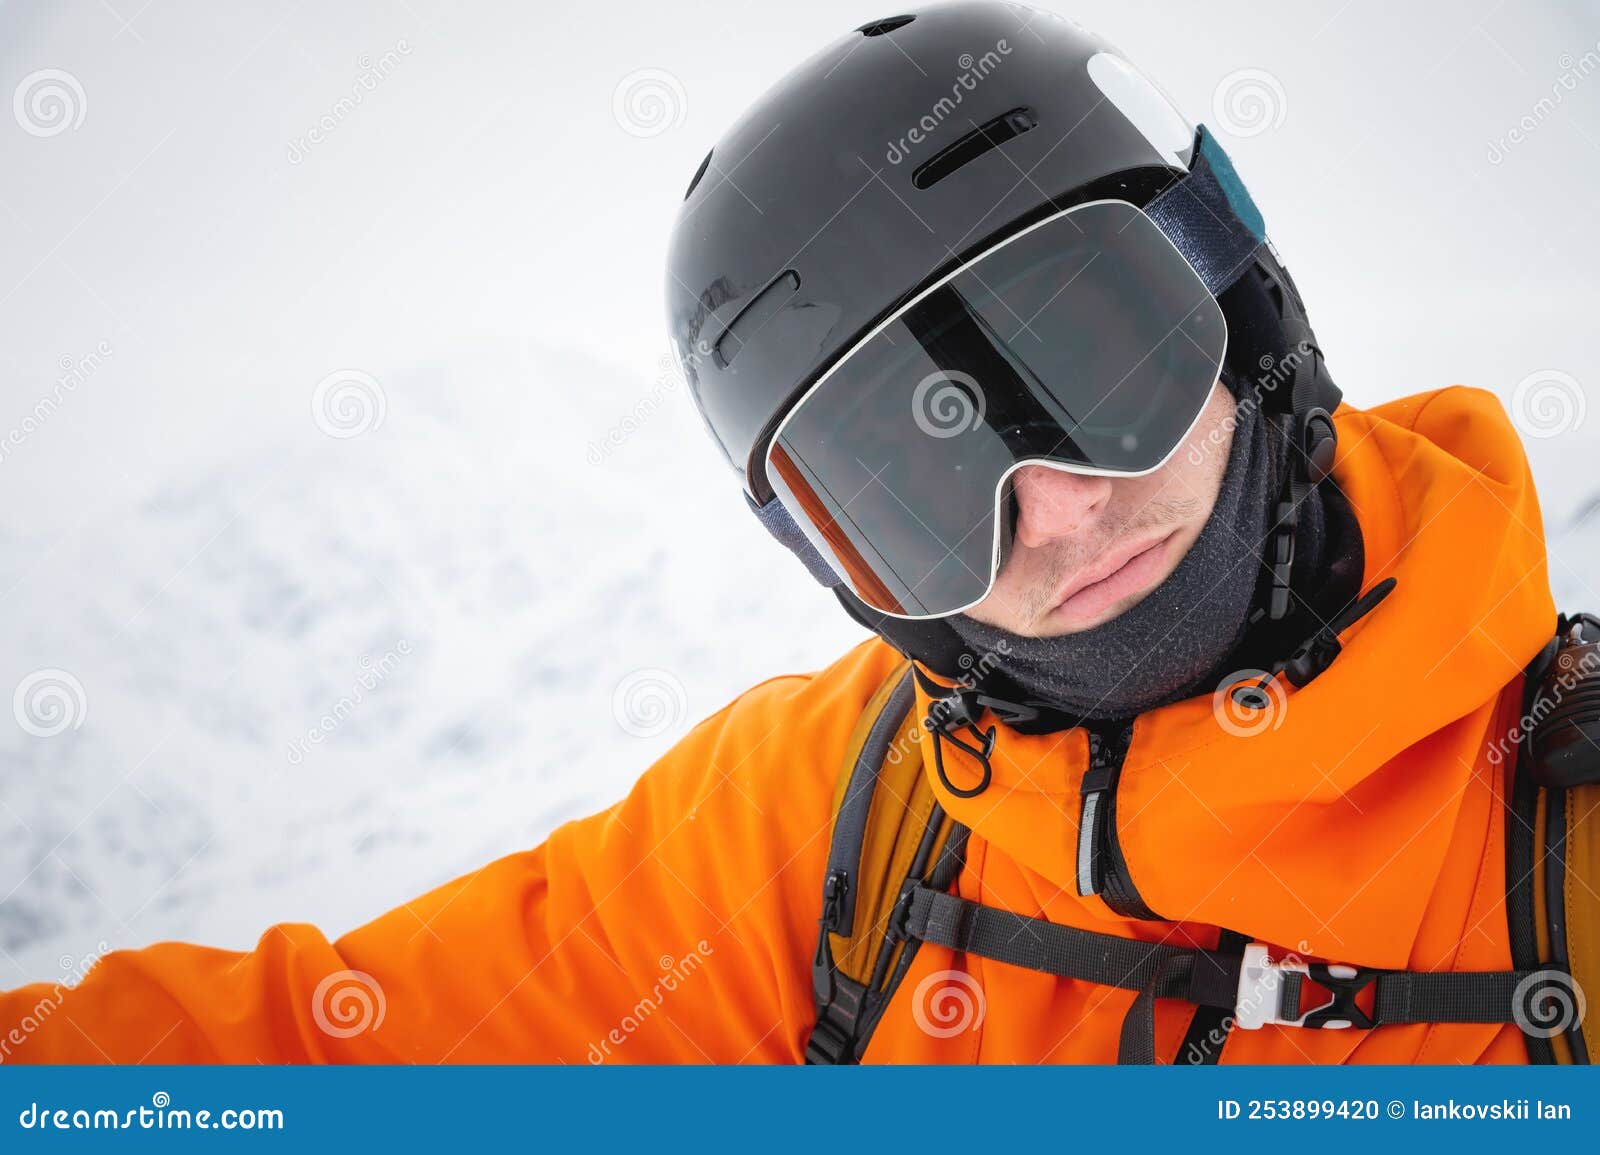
{"x": 677, "y": 926}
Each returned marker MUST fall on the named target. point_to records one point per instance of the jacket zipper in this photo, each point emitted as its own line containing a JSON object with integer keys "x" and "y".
{"x": 1102, "y": 870}
{"x": 833, "y": 892}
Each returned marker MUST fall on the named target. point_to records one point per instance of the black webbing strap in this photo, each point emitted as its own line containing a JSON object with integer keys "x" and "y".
{"x": 1137, "y": 1045}
{"x": 833, "y": 1038}
{"x": 1206, "y": 978}
{"x": 1210, "y": 1027}
{"x": 1067, "y": 952}
{"x": 1450, "y": 996}
{"x": 1155, "y": 970}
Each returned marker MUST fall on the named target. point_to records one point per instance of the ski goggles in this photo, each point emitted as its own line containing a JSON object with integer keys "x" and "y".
{"x": 1086, "y": 342}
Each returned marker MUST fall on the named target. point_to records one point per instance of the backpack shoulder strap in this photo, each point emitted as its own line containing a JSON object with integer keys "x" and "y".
{"x": 1553, "y": 844}
{"x": 889, "y": 835}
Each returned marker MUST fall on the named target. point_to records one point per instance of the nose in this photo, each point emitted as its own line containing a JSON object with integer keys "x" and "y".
{"x": 1052, "y": 504}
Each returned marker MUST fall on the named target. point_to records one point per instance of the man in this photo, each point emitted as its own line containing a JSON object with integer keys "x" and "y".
{"x": 1206, "y": 680}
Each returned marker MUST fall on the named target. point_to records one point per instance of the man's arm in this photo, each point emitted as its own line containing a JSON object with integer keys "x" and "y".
{"x": 676, "y": 926}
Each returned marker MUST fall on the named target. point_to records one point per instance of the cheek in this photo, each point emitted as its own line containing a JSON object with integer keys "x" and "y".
{"x": 1173, "y": 483}
{"x": 1217, "y": 463}
{"x": 1187, "y": 489}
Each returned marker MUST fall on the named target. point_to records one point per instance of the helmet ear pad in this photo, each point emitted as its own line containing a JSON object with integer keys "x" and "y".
{"x": 1272, "y": 352}
{"x": 1257, "y": 341}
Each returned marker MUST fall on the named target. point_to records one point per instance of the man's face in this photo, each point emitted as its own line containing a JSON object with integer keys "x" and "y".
{"x": 1089, "y": 548}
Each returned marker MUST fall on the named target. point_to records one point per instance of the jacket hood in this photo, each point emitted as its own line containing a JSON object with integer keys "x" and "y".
{"x": 1321, "y": 822}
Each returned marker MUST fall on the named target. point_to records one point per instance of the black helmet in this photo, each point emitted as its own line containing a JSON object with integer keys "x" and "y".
{"x": 900, "y": 153}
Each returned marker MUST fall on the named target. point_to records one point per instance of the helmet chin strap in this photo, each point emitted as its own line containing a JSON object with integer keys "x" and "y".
{"x": 1312, "y": 398}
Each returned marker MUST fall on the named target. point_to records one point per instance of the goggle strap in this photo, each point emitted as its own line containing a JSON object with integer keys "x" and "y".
{"x": 1209, "y": 217}
{"x": 782, "y": 526}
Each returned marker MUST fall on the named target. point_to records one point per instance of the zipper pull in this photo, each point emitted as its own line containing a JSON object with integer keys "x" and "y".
{"x": 1088, "y": 839}
{"x": 1105, "y": 759}
{"x": 833, "y": 892}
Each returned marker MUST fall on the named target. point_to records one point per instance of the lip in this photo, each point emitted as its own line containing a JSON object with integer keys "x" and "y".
{"x": 1115, "y": 575}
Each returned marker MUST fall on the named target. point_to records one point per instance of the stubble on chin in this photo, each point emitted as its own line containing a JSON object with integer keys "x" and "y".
{"x": 1049, "y": 567}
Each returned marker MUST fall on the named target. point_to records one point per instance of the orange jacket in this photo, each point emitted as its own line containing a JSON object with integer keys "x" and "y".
{"x": 1364, "y": 825}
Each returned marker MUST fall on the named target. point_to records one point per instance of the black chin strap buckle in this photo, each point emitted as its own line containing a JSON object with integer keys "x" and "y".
{"x": 953, "y": 710}
{"x": 1281, "y": 561}
{"x": 1316, "y": 440}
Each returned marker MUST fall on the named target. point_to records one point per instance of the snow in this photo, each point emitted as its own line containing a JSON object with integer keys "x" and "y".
{"x": 483, "y": 652}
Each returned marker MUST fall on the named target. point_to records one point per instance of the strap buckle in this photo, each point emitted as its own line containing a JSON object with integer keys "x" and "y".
{"x": 899, "y": 928}
{"x": 1269, "y": 993}
{"x": 829, "y": 1045}
{"x": 1281, "y": 563}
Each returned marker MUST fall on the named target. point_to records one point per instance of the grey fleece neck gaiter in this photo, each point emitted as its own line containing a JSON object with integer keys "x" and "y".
{"x": 1179, "y": 638}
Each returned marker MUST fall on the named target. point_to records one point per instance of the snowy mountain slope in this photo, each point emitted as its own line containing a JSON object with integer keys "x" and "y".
{"x": 463, "y": 618}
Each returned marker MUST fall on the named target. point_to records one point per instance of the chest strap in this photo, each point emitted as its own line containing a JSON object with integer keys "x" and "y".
{"x": 1256, "y": 989}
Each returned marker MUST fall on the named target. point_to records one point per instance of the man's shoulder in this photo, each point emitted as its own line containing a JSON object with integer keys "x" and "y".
{"x": 1462, "y": 411}
{"x": 759, "y": 773}
{"x": 819, "y": 709}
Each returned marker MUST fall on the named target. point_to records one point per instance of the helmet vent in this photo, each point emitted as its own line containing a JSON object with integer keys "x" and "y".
{"x": 990, "y": 134}
{"x": 698, "y": 173}
{"x": 879, "y": 27}
{"x": 754, "y": 316}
